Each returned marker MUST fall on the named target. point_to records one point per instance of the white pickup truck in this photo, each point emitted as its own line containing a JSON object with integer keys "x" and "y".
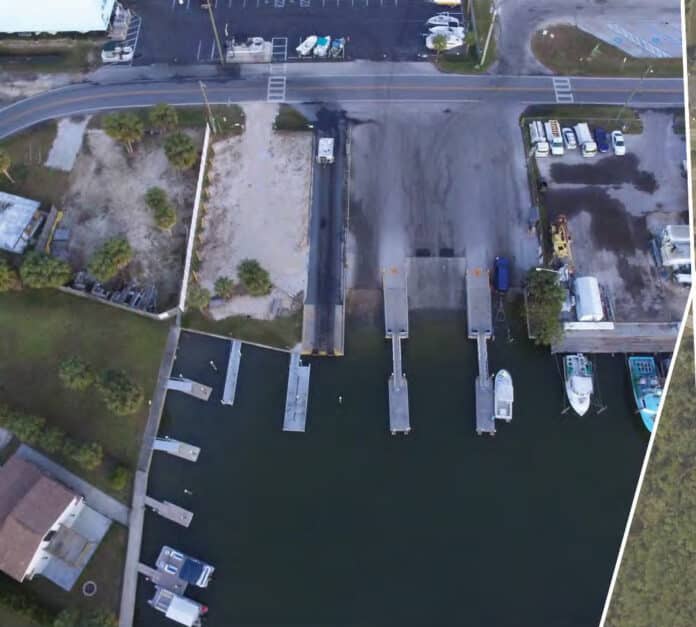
{"x": 325, "y": 151}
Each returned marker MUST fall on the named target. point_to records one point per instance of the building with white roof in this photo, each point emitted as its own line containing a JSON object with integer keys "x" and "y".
{"x": 53, "y": 16}
{"x": 19, "y": 220}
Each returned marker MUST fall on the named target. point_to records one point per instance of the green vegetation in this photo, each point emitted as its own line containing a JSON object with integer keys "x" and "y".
{"x": 163, "y": 118}
{"x": 655, "y": 582}
{"x": 106, "y": 262}
{"x": 544, "y": 300}
{"x": 157, "y": 200}
{"x": 19, "y": 607}
{"x": 198, "y": 297}
{"x": 121, "y": 395}
{"x": 121, "y": 478}
{"x": 254, "y": 279}
{"x": 284, "y": 332}
{"x": 72, "y": 617}
{"x": 569, "y": 51}
{"x": 124, "y": 127}
{"x": 40, "y": 271}
{"x": 8, "y": 276}
{"x": 181, "y": 151}
{"x": 224, "y": 287}
{"x": 76, "y": 374}
{"x": 49, "y": 54}
{"x": 290, "y": 119}
{"x": 5, "y": 164}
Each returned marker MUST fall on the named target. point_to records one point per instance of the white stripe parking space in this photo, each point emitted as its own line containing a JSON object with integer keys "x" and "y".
{"x": 562, "y": 89}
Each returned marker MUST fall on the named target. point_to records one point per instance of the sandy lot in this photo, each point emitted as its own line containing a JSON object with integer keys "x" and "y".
{"x": 66, "y": 145}
{"x": 106, "y": 199}
{"x": 259, "y": 209}
{"x": 614, "y": 206}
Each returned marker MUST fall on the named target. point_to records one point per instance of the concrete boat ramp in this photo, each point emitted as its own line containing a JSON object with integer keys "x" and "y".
{"x": 396, "y": 329}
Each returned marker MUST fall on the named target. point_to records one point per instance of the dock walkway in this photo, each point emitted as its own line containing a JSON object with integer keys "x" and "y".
{"x": 232, "y": 373}
{"x": 170, "y": 511}
{"x": 177, "y": 448}
{"x": 197, "y": 390}
{"x": 297, "y": 396}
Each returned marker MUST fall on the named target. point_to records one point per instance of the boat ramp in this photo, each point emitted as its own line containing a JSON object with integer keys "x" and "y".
{"x": 297, "y": 396}
{"x": 396, "y": 329}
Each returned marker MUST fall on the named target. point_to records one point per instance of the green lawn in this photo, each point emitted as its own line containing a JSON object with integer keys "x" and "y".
{"x": 43, "y": 327}
{"x": 50, "y": 55}
{"x": 283, "y": 332}
{"x": 567, "y": 50}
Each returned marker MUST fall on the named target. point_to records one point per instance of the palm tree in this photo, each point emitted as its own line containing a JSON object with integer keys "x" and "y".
{"x": 5, "y": 163}
{"x": 163, "y": 117}
{"x": 126, "y": 128}
{"x": 440, "y": 45}
{"x": 181, "y": 151}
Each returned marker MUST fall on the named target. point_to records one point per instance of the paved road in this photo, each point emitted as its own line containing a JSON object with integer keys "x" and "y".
{"x": 346, "y": 83}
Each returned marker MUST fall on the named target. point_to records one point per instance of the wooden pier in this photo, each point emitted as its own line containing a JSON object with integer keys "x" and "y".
{"x": 297, "y": 396}
{"x": 170, "y": 511}
{"x": 232, "y": 373}
{"x": 197, "y": 390}
{"x": 177, "y": 448}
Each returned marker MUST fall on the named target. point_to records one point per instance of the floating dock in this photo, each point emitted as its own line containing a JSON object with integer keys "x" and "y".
{"x": 396, "y": 329}
{"x": 480, "y": 328}
{"x": 177, "y": 448}
{"x": 297, "y": 395}
{"x": 197, "y": 390}
{"x": 170, "y": 511}
{"x": 162, "y": 579}
{"x": 232, "y": 373}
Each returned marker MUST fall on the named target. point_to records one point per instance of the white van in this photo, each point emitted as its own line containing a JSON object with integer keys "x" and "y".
{"x": 588, "y": 146}
{"x": 538, "y": 139}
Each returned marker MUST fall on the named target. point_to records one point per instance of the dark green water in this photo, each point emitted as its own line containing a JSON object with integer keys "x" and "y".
{"x": 346, "y": 524}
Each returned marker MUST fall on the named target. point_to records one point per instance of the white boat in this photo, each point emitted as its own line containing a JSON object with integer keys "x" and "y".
{"x": 306, "y": 46}
{"x": 444, "y": 19}
{"x": 322, "y": 47}
{"x": 579, "y": 385}
{"x": 503, "y": 395}
{"x": 447, "y": 3}
{"x": 451, "y": 41}
{"x": 453, "y": 31}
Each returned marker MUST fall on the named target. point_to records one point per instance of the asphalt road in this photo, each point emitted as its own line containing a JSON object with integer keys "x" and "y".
{"x": 349, "y": 83}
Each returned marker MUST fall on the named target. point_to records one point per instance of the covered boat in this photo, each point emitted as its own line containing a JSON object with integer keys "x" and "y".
{"x": 322, "y": 47}
{"x": 307, "y": 46}
{"x": 504, "y": 395}
{"x": 579, "y": 384}
{"x": 647, "y": 390}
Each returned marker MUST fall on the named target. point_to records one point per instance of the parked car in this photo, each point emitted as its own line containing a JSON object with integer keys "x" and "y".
{"x": 501, "y": 275}
{"x": 116, "y": 52}
{"x": 602, "y": 139}
{"x": 569, "y": 138}
{"x": 617, "y": 143}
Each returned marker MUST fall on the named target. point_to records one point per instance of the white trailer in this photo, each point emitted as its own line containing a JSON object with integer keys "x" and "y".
{"x": 554, "y": 136}
{"x": 675, "y": 246}
{"x": 588, "y": 146}
{"x": 325, "y": 150}
{"x": 537, "y": 138}
{"x": 588, "y": 299}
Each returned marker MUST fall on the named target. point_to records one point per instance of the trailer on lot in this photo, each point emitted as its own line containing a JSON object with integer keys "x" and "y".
{"x": 325, "y": 150}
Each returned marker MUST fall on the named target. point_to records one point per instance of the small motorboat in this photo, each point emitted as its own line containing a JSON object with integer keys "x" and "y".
{"x": 306, "y": 47}
{"x": 337, "y": 47}
{"x": 447, "y": 3}
{"x": 444, "y": 19}
{"x": 322, "y": 46}
{"x": 451, "y": 41}
{"x": 504, "y": 395}
{"x": 579, "y": 382}
{"x": 456, "y": 31}
{"x": 647, "y": 390}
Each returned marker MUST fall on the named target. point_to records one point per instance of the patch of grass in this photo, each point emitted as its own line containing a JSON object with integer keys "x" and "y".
{"x": 568, "y": 50}
{"x": 609, "y": 117}
{"x": 15, "y": 619}
{"x": 290, "y": 119}
{"x": 28, "y": 151}
{"x": 460, "y": 63}
{"x": 50, "y": 55}
{"x": 283, "y": 332}
{"x": 41, "y": 328}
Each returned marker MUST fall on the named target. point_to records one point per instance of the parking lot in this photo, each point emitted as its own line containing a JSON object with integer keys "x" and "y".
{"x": 375, "y": 29}
{"x": 615, "y": 205}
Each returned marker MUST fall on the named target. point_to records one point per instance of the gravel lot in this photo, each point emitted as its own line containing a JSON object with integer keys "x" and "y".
{"x": 614, "y": 206}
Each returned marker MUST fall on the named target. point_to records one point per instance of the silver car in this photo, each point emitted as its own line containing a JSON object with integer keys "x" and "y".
{"x": 569, "y": 138}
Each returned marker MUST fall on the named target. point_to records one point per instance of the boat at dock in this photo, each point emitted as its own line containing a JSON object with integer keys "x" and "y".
{"x": 647, "y": 390}
{"x": 504, "y": 396}
{"x": 305, "y": 48}
{"x": 579, "y": 382}
{"x": 322, "y": 46}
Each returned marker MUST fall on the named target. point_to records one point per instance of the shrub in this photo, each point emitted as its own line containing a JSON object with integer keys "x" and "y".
{"x": 121, "y": 395}
{"x": 181, "y": 151}
{"x": 120, "y": 478}
{"x": 165, "y": 216}
{"x": 40, "y": 271}
{"x": 26, "y": 427}
{"x": 198, "y": 296}
{"x": 52, "y": 440}
{"x": 114, "y": 255}
{"x": 163, "y": 117}
{"x": 75, "y": 374}
{"x": 544, "y": 301}
{"x": 126, "y": 128}
{"x": 224, "y": 287}
{"x": 254, "y": 278}
{"x": 89, "y": 456}
{"x": 8, "y": 276}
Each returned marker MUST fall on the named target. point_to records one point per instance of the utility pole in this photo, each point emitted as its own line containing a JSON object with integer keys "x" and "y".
{"x": 215, "y": 33}
{"x": 648, "y": 70}
{"x": 211, "y": 118}
{"x": 488, "y": 38}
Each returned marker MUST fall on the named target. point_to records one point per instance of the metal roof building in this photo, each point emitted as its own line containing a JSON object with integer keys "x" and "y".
{"x": 51, "y": 16}
{"x": 19, "y": 219}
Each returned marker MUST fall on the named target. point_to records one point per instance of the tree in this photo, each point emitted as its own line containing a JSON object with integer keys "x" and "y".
{"x": 5, "y": 163}
{"x": 114, "y": 255}
{"x": 88, "y": 456}
{"x": 439, "y": 44}
{"x": 121, "y": 395}
{"x": 8, "y": 276}
{"x": 40, "y": 271}
{"x": 545, "y": 298}
{"x": 165, "y": 216}
{"x": 52, "y": 440}
{"x": 75, "y": 374}
{"x": 198, "y": 297}
{"x": 120, "y": 478}
{"x": 254, "y": 278}
{"x": 163, "y": 117}
{"x": 224, "y": 287}
{"x": 26, "y": 427}
{"x": 181, "y": 151}
{"x": 126, "y": 128}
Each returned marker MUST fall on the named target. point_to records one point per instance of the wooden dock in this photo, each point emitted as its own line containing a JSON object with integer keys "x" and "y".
{"x": 297, "y": 396}
{"x": 620, "y": 337}
{"x": 162, "y": 579}
{"x": 172, "y": 512}
{"x": 197, "y": 390}
{"x": 232, "y": 373}
{"x": 177, "y": 448}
